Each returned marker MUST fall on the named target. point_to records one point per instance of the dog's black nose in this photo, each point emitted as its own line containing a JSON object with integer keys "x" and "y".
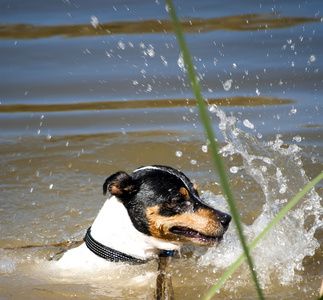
{"x": 225, "y": 219}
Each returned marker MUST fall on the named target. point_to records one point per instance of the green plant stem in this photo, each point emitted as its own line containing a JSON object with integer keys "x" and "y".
{"x": 217, "y": 159}
{"x": 278, "y": 217}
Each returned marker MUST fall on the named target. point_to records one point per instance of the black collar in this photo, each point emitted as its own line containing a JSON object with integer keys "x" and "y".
{"x": 108, "y": 253}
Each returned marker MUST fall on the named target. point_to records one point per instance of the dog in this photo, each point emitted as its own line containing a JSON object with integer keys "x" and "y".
{"x": 153, "y": 209}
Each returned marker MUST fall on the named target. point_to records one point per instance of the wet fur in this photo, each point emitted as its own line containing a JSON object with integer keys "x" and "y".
{"x": 152, "y": 209}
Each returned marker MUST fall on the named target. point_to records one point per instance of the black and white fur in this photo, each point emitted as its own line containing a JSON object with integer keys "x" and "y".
{"x": 154, "y": 208}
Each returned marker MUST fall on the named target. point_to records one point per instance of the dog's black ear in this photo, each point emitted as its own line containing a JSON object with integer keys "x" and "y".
{"x": 119, "y": 184}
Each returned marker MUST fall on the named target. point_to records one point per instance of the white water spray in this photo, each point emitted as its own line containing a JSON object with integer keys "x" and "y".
{"x": 278, "y": 171}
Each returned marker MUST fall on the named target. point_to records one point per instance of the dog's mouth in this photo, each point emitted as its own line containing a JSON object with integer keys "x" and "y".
{"x": 195, "y": 236}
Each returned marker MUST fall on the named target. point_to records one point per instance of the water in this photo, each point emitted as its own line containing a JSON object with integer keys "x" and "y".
{"x": 278, "y": 171}
{"x": 91, "y": 88}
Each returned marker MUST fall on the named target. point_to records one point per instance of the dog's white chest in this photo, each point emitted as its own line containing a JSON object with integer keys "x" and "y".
{"x": 113, "y": 228}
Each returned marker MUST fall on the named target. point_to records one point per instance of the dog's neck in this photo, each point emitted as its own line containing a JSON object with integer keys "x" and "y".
{"x": 113, "y": 228}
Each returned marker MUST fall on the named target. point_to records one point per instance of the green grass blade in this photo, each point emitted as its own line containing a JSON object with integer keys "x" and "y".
{"x": 278, "y": 217}
{"x": 217, "y": 159}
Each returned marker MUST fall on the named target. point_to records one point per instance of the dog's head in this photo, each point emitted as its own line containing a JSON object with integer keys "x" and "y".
{"x": 162, "y": 202}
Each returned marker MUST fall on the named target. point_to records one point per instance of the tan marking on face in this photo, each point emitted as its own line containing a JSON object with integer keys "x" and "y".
{"x": 195, "y": 186}
{"x": 183, "y": 191}
{"x": 203, "y": 221}
{"x": 114, "y": 189}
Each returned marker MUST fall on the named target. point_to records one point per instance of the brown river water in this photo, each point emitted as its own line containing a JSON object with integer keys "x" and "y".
{"x": 89, "y": 88}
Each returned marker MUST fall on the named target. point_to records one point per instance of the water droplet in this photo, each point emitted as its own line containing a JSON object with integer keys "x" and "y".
{"x": 121, "y": 45}
{"x": 149, "y": 88}
{"x": 180, "y": 62}
{"x": 164, "y": 61}
{"x": 204, "y": 148}
{"x": 51, "y": 186}
{"x": 227, "y": 85}
{"x": 297, "y": 138}
{"x": 293, "y": 111}
{"x": 248, "y": 124}
{"x": 234, "y": 170}
{"x": 151, "y": 52}
{"x": 234, "y": 66}
{"x": 193, "y": 162}
{"x": 94, "y": 21}
{"x": 267, "y": 160}
{"x": 283, "y": 189}
{"x": 178, "y": 153}
{"x": 257, "y": 92}
{"x": 312, "y": 58}
{"x": 212, "y": 108}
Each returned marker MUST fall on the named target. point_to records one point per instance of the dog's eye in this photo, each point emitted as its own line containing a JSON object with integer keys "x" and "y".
{"x": 181, "y": 200}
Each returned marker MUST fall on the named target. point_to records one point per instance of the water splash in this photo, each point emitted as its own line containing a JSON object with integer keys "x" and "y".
{"x": 248, "y": 124}
{"x": 180, "y": 62}
{"x": 278, "y": 171}
{"x": 94, "y": 22}
{"x": 227, "y": 85}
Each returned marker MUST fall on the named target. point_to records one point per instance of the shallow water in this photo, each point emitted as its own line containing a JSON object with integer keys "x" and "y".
{"x": 90, "y": 88}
